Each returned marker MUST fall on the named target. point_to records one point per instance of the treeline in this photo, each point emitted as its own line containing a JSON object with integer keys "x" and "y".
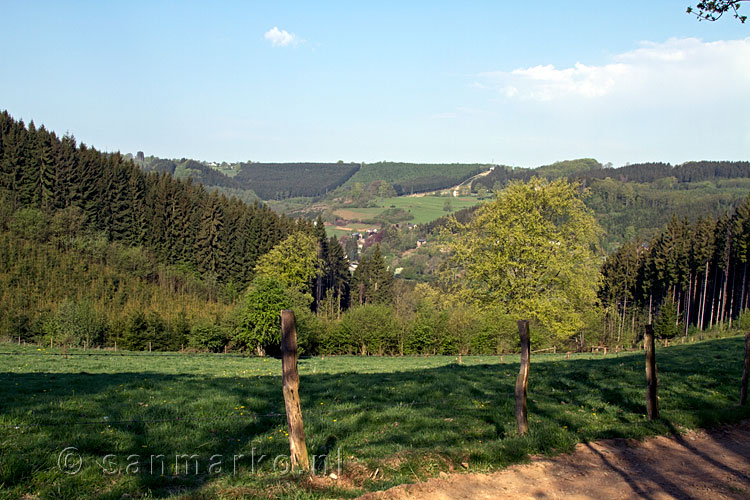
{"x": 184, "y": 168}
{"x": 587, "y": 169}
{"x": 177, "y": 221}
{"x": 693, "y": 171}
{"x": 408, "y": 178}
{"x": 631, "y": 210}
{"x": 276, "y": 181}
{"x": 692, "y": 276}
{"x": 501, "y": 175}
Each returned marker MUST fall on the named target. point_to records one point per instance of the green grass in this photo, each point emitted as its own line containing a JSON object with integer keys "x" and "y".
{"x": 422, "y": 208}
{"x": 408, "y": 417}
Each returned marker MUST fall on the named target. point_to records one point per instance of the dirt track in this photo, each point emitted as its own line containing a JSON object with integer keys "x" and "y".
{"x": 698, "y": 465}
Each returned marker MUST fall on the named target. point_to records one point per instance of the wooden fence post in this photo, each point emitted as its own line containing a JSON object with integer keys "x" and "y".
{"x": 652, "y": 402}
{"x": 745, "y": 371}
{"x": 115, "y": 345}
{"x": 290, "y": 381}
{"x": 149, "y": 346}
{"x": 522, "y": 382}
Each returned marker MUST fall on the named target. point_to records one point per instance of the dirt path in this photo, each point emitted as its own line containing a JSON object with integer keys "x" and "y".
{"x": 698, "y": 465}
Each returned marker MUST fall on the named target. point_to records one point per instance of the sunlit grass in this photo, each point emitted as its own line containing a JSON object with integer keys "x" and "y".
{"x": 406, "y": 417}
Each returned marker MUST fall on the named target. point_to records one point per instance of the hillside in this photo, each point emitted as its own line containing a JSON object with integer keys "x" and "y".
{"x": 94, "y": 248}
{"x": 273, "y": 181}
{"x": 211, "y": 176}
{"x": 637, "y": 200}
{"x": 408, "y": 178}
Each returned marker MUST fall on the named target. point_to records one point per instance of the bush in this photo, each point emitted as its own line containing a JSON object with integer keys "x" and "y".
{"x": 260, "y": 320}
{"x": 208, "y": 337}
{"x": 140, "y": 329}
{"x": 31, "y": 224}
{"x": 367, "y": 329}
{"x": 77, "y": 323}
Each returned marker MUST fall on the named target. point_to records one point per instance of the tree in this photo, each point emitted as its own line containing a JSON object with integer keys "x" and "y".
{"x": 532, "y": 252}
{"x": 260, "y": 325}
{"x": 293, "y": 262}
{"x": 713, "y": 10}
{"x": 373, "y": 281}
{"x": 667, "y": 324}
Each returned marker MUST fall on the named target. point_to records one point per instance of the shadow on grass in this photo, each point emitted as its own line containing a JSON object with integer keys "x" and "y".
{"x": 462, "y": 412}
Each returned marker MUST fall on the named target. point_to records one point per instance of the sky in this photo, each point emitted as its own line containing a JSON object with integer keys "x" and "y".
{"x": 514, "y": 83}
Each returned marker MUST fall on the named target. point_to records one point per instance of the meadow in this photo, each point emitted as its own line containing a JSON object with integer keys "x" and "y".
{"x": 380, "y": 421}
{"x": 423, "y": 209}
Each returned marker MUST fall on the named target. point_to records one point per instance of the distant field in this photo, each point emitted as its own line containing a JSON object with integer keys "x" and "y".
{"x": 422, "y": 208}
{"x": 407, "y": 418}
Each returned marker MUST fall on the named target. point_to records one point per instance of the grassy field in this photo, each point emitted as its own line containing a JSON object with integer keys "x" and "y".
{"x": 390, "y": 420}
{"x": 422, "y": 208}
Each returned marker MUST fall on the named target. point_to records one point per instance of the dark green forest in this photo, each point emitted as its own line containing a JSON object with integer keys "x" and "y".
{"x": 177, "y": 221}
{"x": 275, "y": 181}
{"x": 691, "y": 276}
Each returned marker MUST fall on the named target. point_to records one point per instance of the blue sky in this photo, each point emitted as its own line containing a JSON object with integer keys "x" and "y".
{"x": 519, "y": 83}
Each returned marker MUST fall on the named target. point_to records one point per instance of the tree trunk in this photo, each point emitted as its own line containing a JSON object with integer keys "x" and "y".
{"x": 650, "y": 308}
{"x": 742, "y": 293}
{"x": 713, "y": 302}
{"x": 703, "y": 301}
{"x": 688, "y": 304}
{"x": 622, "y": 322}
{"x": 731, "y": 302}
{"x": 723, "y": 295}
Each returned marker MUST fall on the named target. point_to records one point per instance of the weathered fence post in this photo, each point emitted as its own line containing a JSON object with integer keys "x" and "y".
{"x": 652, "y": 402}
{"x": 745, "y": 371}
{"x": 290, "y": 380}
{"x": 149, "y": 346}
{"x": 522, "y": 382}
{"x": 115, "y": 346}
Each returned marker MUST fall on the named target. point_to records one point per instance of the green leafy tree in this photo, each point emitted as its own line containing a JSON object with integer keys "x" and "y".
{"x": 532, "y": 252}
{"x": 293, "y": 262}
{"x": 260, "y": 322}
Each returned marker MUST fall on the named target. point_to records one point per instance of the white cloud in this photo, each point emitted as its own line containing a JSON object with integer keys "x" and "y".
{"x": 677, "y": 68}
{"x": 281, "y": 38}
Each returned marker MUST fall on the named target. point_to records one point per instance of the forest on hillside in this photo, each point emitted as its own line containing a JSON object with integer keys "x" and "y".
{"x": 95, "y": 251}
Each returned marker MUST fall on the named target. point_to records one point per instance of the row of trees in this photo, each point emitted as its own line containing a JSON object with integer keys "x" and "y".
{"x": 179, "y": 222}
{"x": 696, "y": 271}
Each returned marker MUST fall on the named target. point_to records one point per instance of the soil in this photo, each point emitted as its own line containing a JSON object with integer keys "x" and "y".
{"x": 697, "y": 465}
